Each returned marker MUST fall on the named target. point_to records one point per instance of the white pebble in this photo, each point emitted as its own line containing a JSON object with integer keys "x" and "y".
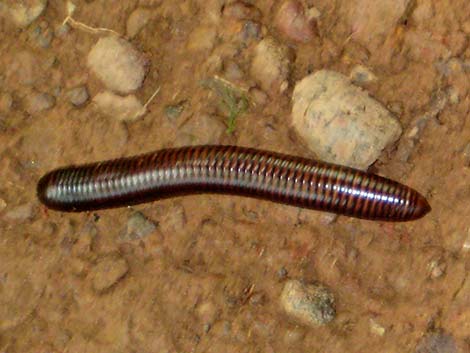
{"x": 339, "y": 122}
{"x": 117, "y": 64}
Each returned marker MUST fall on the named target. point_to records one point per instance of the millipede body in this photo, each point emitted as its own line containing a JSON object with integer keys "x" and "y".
{"x": 230, "y": 170}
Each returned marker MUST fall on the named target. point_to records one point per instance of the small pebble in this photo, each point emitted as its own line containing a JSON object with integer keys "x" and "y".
{"x": 202, "y": 39}
{"x": 466, "y": 243}
{"x": 42, "y": 35}
{"x": 232, "y": 71}
{"x": 362, "y": 75}
{"x": 453, "y": 94}
{"x": 203, "y": 129}
{"x": 117, "y": 64}
{"x": 271, "y": 65}
{"x": 311, "y": 304}
{"x": 127, "y": 108}
{"x": 437, "y": 343}
{"x": 376, "y": 328}
{"x": 258, "y": 97}
{"x": 23, "y": 13}
{"x": 292, "y": 21}
{"x": 437, "y": 268}
{"x": 340, "y": 122}
{"x": 282, "y": 273}
{"x": 138, "y": 227}
{"x": 172, "y": 112}
{"x": 62, "y": 30}
{"x": 21, "y": 213}
{"x": 39, "y": 102}
{"x": 137, "y": 20}
{"x": 78, "y": 96}
{"x": 241, "y": 10}
{"x": 107, "y": 272}
{"x": 252, "y": 30}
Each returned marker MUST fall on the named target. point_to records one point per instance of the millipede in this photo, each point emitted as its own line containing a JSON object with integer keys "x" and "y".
{"x": 233, "y": 170}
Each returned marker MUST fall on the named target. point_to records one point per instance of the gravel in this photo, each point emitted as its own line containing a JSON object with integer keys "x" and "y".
{"x": 340, "y": 122}
{"x": 311, "y": 304}
{"x": 117, "y": 64}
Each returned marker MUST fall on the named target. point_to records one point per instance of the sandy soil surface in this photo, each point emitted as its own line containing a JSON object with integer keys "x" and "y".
{"x": 205, "y": 273}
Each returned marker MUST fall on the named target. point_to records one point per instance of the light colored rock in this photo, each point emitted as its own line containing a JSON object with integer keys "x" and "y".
{"x": 137, "y": 20}
{"x": 78, "y": 96}
{"x": 22, "y": 12}
{"x": 271, "y": 65}
{"x": 117, "y": 64}
{"x": 313, "y": 305}
{"x": 202, "y": 39}
{"x": 339, "y": 122}
{"x": 376, "y": 328}
{"x": 107, "y": 272}
{"x": 39, "y": 102}
{"x": 138, "y": 227}
{"x": 126, "y": 108}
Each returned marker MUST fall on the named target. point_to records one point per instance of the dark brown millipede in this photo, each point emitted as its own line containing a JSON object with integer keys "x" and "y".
{"x": 230, "y": 170}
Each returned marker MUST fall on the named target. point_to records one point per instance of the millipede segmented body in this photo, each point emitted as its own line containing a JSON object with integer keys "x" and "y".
{"x": 230, "y": 170}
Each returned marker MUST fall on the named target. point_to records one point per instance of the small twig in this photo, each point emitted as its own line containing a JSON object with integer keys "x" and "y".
{"x": 152, "y": 97}
{"x": 86, "y": 28}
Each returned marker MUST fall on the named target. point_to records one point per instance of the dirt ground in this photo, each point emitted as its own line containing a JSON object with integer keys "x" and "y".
{"x": 208, "y": 277}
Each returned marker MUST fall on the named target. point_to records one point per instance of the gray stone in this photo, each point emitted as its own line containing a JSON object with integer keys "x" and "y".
{"x": 340, "y": 122}
{"x": 117, "y": 64}
{"x": 311, "y": 304}
{"x": 78, "y": 96}
{"x": 138, "y": 227}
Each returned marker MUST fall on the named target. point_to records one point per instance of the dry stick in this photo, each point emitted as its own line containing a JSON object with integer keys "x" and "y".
{"x": 82, "y": 26}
